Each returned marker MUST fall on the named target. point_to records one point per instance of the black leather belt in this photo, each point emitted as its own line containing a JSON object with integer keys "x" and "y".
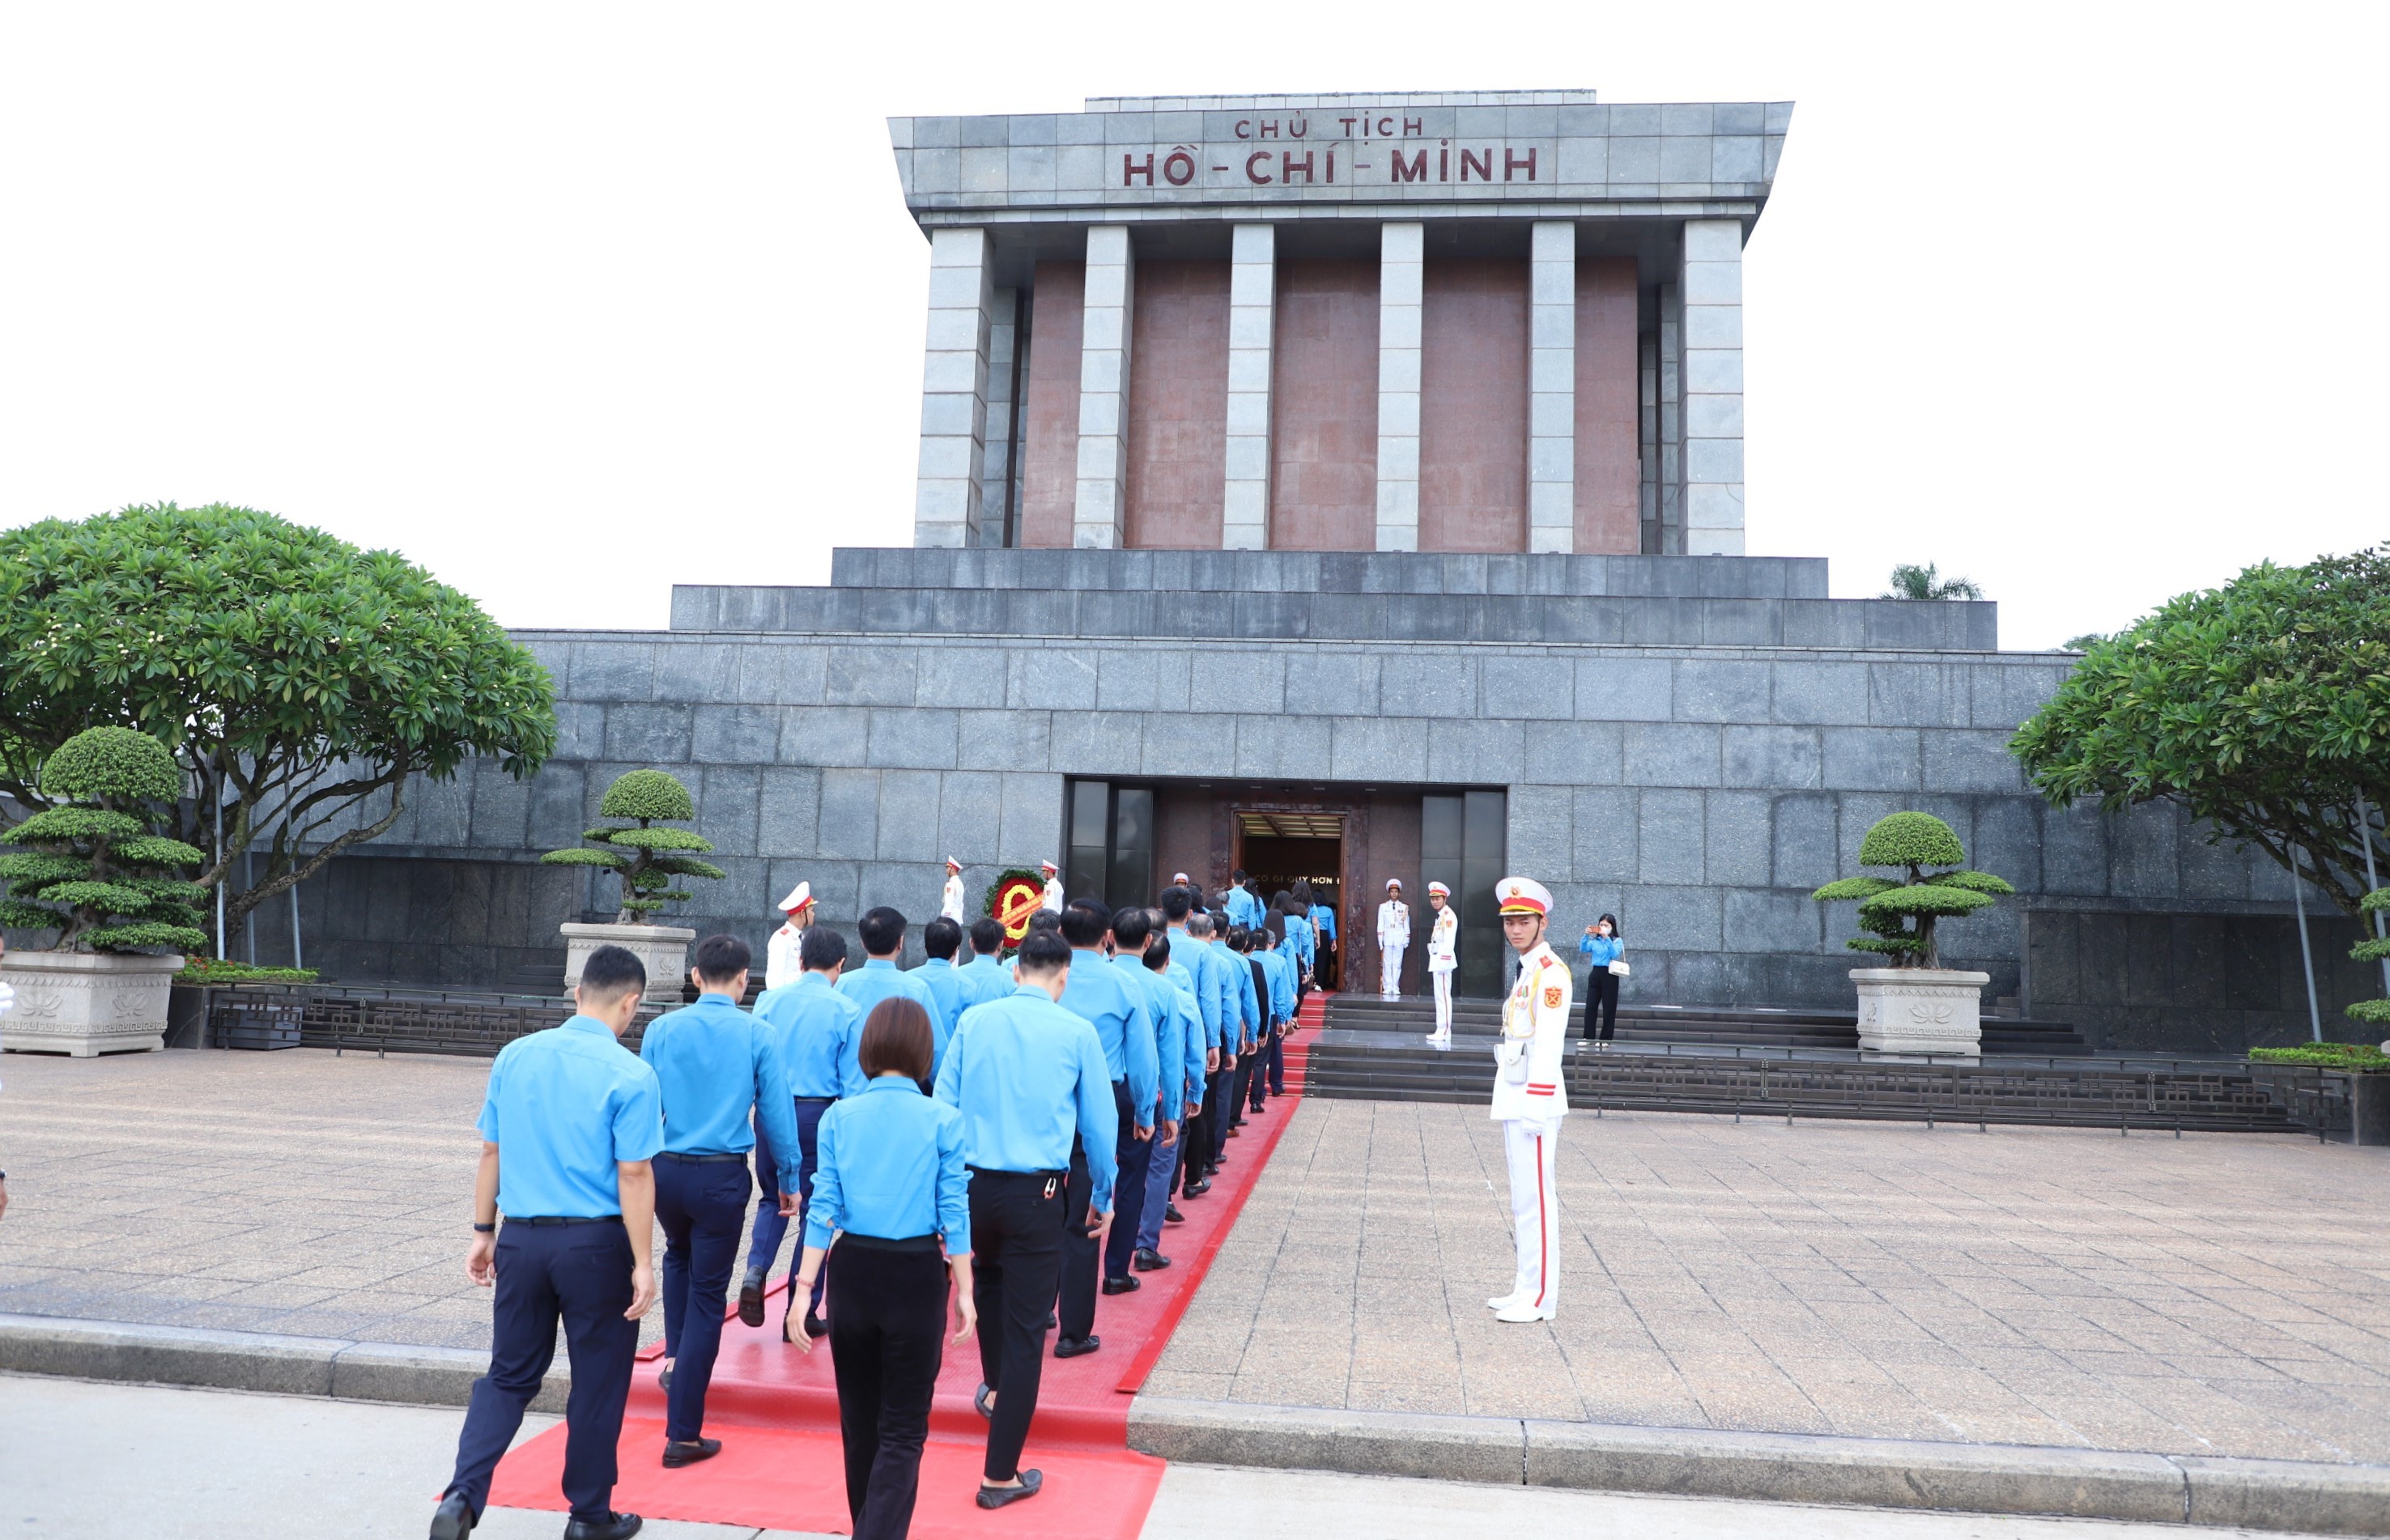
{"x": 816, "y": 1101}
{"x": 991, "y": 1171}
{"x": 701, "y": 1160}
{"x": 566, "y": 1219}
{"x": 880, "y": 1243}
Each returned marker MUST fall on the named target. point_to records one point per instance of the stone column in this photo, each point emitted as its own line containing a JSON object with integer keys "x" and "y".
{"x": 1711, "y": 288}
{"x": 1672, "y": 422}
{"x": 1552, "y": 402}
{"x": 946, "y": 495}
{"x": 1648, "y": 439}
{"x": 1400, "y": 272}
{"x": 995, "y": 455}
{"x": 1099, "y": 516}
{"x": 1252, "y": 275}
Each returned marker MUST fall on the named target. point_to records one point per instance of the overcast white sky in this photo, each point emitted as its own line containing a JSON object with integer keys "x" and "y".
{"x": 571, "y": 302}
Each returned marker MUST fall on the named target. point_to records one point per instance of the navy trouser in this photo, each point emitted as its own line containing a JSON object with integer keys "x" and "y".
{"x": 701, "y": 1204}
{"x": 1133, "y": 1164}
{"x": 771, "y": 1226}
{"x": 1276, "y": 1053}
{"x": 578, "y": 1273}
{"x": 1220, "y": 1110}
{"x": 1241, "y": 1089}
{"x": 1082, "y": 1259}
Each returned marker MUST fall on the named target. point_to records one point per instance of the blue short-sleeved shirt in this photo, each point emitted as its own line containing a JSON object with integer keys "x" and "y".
{"x": 891, "y": 1165}
{"x": 1192, "y": 1037}
{"x": 1280, "y": 970}
{"x": 1116, "y": 1006}
{"x": 1240, "y": 977}
{"x": 1323, "y": 919}
{"x": 945, "y": 980}
{"x": 820, "y": 1034}
{"x": 1600, "y": 951}
{"x": 879, "y": 978}
{"x": 1203, "y": 969}
{"x": 1028, "y": 1077}
{"x": 990, "y": 979}
{"x": 716, "y": 1065}
{"x": 564, "y": 1106}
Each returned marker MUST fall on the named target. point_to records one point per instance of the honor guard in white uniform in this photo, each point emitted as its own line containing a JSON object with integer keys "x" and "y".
{"x": 1053, "y": 899}
{"x": 1529, "y": 1100}
{"x": 780, "y": 955}
{"x": 1443, "y": 952}
{"x": 1394, "y": 939}
{"x": 951, "y": 905}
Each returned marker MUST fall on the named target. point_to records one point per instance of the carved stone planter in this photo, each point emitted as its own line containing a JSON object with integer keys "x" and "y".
{"x": 86, "y": 1003}
{"x": 1920, "y": 1011}
{"x": 664, "y": 948}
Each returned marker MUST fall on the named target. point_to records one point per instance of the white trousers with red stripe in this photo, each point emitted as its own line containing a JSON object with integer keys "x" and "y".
{"x": 1532, "y": 1146}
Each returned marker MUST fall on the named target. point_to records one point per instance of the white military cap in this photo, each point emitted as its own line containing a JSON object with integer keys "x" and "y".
{"x": 799, "y": 896}
{"x": 1045, "y": 866}
{"x": 952, "y": 862}
{"x": 1393, "y": 882}
{"x": 1439, "y": 888}
{"x": 1178, "y": 878}
{"x": 1523, "y": 896}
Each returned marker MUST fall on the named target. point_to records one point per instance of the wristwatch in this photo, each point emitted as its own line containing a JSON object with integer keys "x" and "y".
{"x": 480, "y": 1228}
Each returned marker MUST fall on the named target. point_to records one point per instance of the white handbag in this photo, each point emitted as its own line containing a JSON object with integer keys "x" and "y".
{"x": 1618, "y": 967}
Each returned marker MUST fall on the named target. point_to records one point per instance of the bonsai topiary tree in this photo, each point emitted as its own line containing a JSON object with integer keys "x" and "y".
{"x": 96, "y": 871}
{"x": 1901, "y": 914}
{"x": 647, "y": 857}
{"x": 2374, "y": 1012}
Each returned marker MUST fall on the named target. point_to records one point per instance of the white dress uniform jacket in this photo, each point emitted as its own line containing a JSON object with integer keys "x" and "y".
{"x": 951, "y": 906}
{"x": 782, "y": 961}
{"x": 1393, "y": 923}
{"x": 1535, "y": 1035}
{"x": 1053, "y": 899}
{"x": 1442, "y": 941}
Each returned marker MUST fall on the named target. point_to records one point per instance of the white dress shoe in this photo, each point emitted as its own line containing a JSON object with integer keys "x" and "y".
{"x": 1522, "y": 1311}
{"x": 1502, "y": 1301}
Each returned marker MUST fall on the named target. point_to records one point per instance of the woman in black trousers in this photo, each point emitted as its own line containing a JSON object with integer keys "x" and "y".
{"x": 1602, "y": 945}
{"x": 889, "y": 1187}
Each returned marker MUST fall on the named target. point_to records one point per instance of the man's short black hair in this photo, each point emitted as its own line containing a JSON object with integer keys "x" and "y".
{"x": 1237, "y": 877}
{"x": 822, "y": 949}
{"x": 941, "y": 938}
{"x": 987, "y": 938}
{"x": 1176, "y": 904}
{"x": 1130, "y": 927}
{"x": 612, "y": 971}
{"x": 1238, "y": 937}
{"x": 1084, "y": 925}
{"x": 1041, "y": 953}
{"x": 720, "y": 959}
{"x": 1046, "y": 920}
{"x": 883, "y": 931}
{"x": 1157, "y": 957}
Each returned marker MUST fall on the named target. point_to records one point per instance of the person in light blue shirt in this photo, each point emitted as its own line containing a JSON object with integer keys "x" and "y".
{"x": 1133, "y": 933}
{"x": 1244, "y": 904}
{"x": 1280, "y": 968}
{"x": 891, "y": 1188}
{"x": 1600, "y": 945}
{"x": 1244, "y": 1034}
{"x": 820, "y": 1033}
{"x": 1182, "y": 1074}
{"x": 1035, "y": 1095}
{"x": 941, "y": 938}
{"x": 1219, "y": 1010}
{"x": 879, "y": 978}
{"x": 1323, "y": 920}
{"x": 989, "y": 976}
{"x": 722, "y": 1077}
{"x": 569, "y": 1127}
{"x": 1116, "y": 1004}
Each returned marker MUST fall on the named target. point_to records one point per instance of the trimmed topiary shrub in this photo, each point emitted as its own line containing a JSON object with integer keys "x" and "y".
{"x": 221, "y": 971}
{"x": 2374, "y": 1012}
{"x": 1901, "y": 914}
{"x": 647, "y": 857}
{"x": 96, "y": 871}
{"x": 2355, "y": 1058}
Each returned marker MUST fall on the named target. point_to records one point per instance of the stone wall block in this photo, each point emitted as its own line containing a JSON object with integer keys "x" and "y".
{"x": 1671, "y": 754}
{"x": 788, "y": 812}
{"x": 850, "y": 815}
{"x": 959, "y": 676}
{"x": 501, "y": 806}
{"x": 1369, "y": 749}
{"x": 1096, "y": 743}
{"x": 1185, "y": 743}
{"x": 735, "y": 735}
{"x": 1541, "y": 836}
{"x": 1607, "y": 824}
{"x": 1773, "y": 759}
{"x": 908, "y": 815}
{"x": 1870, "y": 758}
{"x": 1320, "y": 682}
{"x": 971, "y": 819}
{"x": 824, "y": 735}
{"x": 1970, "y": 761}
{"x": 557, "y": 794}
{"x": 1033, "y": 820}
{"x": 1715, "y": 691}
{"x": 870, "y": 676}
{"x": 1674, "y": 918}
{"x": 1431, "y": 682}
{"x": 1820, "y": 693}
{"x": 1672, "y": 837}
{"x": 648, "y": 735}
{"x": 613, "y": 671}
{"x": 1482, "y": 753}
{"x": 1282, "y": 746}
{"x": 912, "y": 739}
{"x": 1741, "y": 829}
{"x": 726, "y": 797}
{"x": 1807, "y": 853}
{"x": 1625, "y": 690}
{"x": 1038, "y": 679}
{"x": 1005, "y": 740}
{"x": 1766, "y": 921}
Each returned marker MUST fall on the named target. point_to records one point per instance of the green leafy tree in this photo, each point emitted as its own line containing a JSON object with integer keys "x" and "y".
{"x": 95, "y": 869}
{"x": 1909, "y": 581}
{"x": 2261, "y": 708}
{"x": 2084, "y": 643}
{"x": 647, "y": 857}
{"x": 300, "y": 681}
{"x": 1901, "y": 914}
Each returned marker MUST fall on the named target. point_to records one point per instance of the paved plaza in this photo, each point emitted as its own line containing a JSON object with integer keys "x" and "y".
{"x": 2219, "y": 1294}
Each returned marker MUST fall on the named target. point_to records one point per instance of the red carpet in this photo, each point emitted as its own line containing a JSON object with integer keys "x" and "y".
{"x": 776, "y": 1410}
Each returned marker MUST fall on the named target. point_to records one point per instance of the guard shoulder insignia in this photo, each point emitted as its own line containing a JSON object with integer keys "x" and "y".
{"x": 1551, "y": 997}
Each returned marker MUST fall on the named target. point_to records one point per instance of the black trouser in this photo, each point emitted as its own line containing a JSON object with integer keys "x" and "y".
{"x": 1016, "y": 1254}
{"x": 1220, "y": 1089}
{"x": 701, "y": 1203}
{"x": 1601, "y": 997}
{"x": 1195, "y": 1141}
{"x": 1083, "y": 1260}
{"x": 886, "y": 1341}
{"x": 579, "y": 1274}
{"x": 1241, "y": 1088}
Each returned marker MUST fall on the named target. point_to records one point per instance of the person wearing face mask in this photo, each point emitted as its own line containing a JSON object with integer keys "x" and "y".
{"x": 1601, "y": 946}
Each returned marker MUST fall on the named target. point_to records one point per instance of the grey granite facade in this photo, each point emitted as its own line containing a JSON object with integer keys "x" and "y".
{"x": 1697, "y": 789}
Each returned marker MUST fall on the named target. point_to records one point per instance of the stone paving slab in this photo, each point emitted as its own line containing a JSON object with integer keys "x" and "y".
{"x": 2217, "y": 1295}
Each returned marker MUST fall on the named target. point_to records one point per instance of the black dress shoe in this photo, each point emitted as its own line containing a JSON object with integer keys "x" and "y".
{"x": 1259, "y": 1108}
{"x": 678, "y": 1455}
{"x": 996, "y": 1497}
{"x": 1122, "y": 1285}
{"x": 1148, "y": 1260}
{"x": 815, "y": 1326}
{"x": 453, "y": 1518}
{"x": 751, "y": 1303}
{"x": 1076, "y": 1347}
{"x": 1170, "y": 1214}
{"x": 663, "y": 1378}
{"x": 1051, "y": 1324}
{"x": 982, "y": 1405}
{"x": 614, "y": 1526}
{"x": 1196, "y": 1189}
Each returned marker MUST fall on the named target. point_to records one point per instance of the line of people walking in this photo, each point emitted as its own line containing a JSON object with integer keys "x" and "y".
{"x": 975, "y": 1147}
